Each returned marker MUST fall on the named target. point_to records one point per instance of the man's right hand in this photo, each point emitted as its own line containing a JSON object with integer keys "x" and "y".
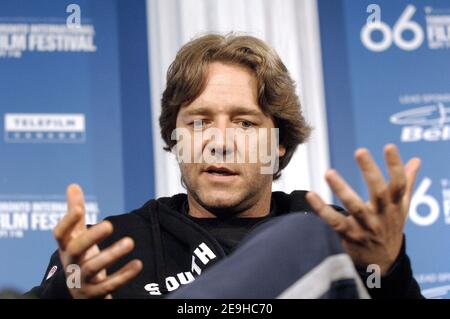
{"x": 78, "y": 245}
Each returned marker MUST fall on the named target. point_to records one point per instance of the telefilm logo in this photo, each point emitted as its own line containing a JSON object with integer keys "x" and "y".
{"x": 44, "y": 127}
{"x": 436, "y": 31}
{"x": 426, "y": 118}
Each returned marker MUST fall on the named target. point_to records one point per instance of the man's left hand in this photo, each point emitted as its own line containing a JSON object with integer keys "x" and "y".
{"x": 372, "y": 233}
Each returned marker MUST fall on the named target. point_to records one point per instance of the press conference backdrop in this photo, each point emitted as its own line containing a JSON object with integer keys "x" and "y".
{"x": 92, "y": 115}
{"x": 387, "y": 79}
{"x": 74, "y": 108}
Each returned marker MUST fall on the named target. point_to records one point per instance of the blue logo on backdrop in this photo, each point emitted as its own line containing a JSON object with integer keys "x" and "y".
{"x": 19, "y": 216}
{"x": 437, "y": 30}
{"x": 20, "y": 37}
{"x": 41, "y": 128}
{"x": 429, "y": 123}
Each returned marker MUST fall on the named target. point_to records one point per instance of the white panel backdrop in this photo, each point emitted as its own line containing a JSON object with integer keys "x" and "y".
{"x": 290, "y": 26}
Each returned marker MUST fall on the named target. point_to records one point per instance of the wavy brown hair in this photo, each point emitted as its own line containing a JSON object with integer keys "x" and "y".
{"x": 187, "y": 76}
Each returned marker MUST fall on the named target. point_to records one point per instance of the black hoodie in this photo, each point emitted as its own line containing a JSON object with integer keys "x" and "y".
{"x": 174, "y": 250}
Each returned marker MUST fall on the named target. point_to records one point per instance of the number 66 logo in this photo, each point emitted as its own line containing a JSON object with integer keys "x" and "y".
{"x": 394, "y": 35}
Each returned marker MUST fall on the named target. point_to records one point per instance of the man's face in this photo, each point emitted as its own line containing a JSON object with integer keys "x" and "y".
{"x": 227, "y": 104}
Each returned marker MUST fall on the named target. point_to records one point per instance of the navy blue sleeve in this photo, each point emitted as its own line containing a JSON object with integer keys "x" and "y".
{"x": 398, "y": 282}
{"x": 53, "y": 285}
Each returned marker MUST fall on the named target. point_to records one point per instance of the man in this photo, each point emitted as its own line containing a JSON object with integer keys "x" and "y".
{"x": 217, "y": 85}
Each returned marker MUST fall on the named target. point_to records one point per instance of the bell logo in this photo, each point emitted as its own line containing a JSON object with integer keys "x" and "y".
{"x": 429, "y": 123}
{"x": 417, "y": 134}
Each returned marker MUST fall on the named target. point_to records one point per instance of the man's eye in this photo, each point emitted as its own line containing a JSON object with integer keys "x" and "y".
{"x": 246, "y": 124}
{"x": 198, "y": 124}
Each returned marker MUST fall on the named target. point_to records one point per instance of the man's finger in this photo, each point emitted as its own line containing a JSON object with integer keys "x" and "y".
{"x": 75, "y": 203}
{"x": 378, "y": 190}
{"x": 352, "y": 202}
{"x": 336, "y": 220}
{"x": 397, "y": 184}
{"x": 107, "y": 257}
{"x": 63, "y": 229}
{"x": 411, "y": 170}
{"x": 79, "y": 245}
{"x": 116, "y": 280}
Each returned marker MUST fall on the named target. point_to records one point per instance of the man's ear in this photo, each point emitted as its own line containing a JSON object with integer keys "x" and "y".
{"x": 281, "y": 150}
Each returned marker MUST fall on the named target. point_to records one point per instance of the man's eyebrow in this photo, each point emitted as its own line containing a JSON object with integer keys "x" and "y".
{"x": 238, "y": 110}
{"x": 199, "y": 111}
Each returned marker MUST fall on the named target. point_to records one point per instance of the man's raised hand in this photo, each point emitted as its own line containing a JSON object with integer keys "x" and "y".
{"x": 79, "y": 245}
{"x": 372, "y": 233}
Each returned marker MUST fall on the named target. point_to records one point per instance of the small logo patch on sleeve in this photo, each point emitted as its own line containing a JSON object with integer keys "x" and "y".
{"x": 51, "y": 272}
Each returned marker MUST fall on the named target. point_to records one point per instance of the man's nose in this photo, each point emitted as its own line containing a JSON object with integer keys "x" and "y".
{"x": 221, "y": 141}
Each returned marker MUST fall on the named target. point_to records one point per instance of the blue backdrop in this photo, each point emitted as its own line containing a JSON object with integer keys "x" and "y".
{"x": 75, "y": 107}
{"x": 387, "y": 80}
